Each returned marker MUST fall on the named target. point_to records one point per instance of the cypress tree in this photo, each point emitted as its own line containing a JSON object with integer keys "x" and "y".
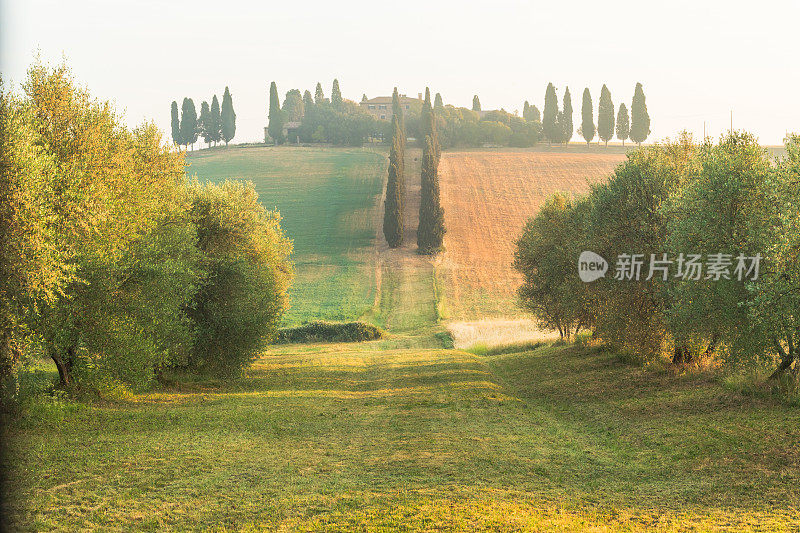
{"x": 526, "y": 110}
{"x": 393, "y": 204}
{"x": 176, "y": 124}
{"x": 567, "y": 127}
{"x": 431, "y": 215}
{"x": 319, "y": 96}
{"x": 587, "y": 117}
{"x": 476, "y": 103}
{"x": 397, "y": 111}
{"x": 188, "y": 122}
{"x": 215, "y": 121}
{"x": 640, "y": 120}
{"x": 308, "y": 101}
{"x": 534, "y": 113}
{"x": 623, "y": 124}
{"x": 275, "y": 127}
{"x": 605, "y": 116}
{"x": 204, "y": 123}
{"x": 550, "y": 116}
{"x": 438, "y": 104}
{"x": 228, "y": 117}
{"x": 336, "y": 95}
{"x": 428, "y": 124}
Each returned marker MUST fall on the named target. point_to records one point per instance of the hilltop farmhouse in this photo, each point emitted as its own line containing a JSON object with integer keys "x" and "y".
{"x": 381, "y": 106}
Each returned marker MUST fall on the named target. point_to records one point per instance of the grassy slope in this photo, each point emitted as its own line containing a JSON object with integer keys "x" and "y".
{"x": 401, "y": 432}
{"x": 328, "y": 199}
{"x": 342, "y": 436}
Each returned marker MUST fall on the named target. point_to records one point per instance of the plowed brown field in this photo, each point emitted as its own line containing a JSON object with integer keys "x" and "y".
{"x": 487, "y": 198}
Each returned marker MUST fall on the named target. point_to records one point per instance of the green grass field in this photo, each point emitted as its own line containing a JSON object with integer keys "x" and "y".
{"x": 328, "y": 201}
{"x": 372, "y": 437}
{"x": 401, "y": 433}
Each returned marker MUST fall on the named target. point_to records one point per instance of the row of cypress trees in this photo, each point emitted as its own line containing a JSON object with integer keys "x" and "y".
{"x": 214, "y": 124}
{"x": 431, "y": 229}
{"x": 557, "y": 124}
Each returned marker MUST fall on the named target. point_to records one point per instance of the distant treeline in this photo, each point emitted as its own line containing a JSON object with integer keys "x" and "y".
{"x": 338, "y": 121}
{"x": 214, "y": 124}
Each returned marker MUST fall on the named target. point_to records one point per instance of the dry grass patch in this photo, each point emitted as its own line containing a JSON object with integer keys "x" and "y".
{"x": 493, "y": 332}
{"x": 487, "y": 198}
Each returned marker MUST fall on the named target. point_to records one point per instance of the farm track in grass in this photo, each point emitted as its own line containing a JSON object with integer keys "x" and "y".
{"x": 329, "y": 200}
{"x": 380, "y": 437}
{"x": 487, "y": 198}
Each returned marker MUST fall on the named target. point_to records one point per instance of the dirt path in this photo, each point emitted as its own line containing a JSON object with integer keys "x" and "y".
{"x": 405, "y": 298}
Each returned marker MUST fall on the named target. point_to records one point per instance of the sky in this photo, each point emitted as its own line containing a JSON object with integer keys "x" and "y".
{"x": 697, "y": 60}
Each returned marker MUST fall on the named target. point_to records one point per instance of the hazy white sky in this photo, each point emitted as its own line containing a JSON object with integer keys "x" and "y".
{"x": 696, "y": 59}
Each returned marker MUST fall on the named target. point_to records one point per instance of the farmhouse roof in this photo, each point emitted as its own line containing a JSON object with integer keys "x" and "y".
{"x": 388, "y": 100}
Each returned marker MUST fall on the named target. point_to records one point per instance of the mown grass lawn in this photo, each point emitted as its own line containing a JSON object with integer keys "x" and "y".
{"x": 328, "y": 199}
{"x": 383, "y": 435}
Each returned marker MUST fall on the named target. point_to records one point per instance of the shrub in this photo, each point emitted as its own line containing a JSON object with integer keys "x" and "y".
{"x": 330, "y": 332}
{"x": 246, "y": 273}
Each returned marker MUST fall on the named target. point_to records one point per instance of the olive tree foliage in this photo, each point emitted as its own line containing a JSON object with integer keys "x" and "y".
{"x": 103, "y": 254}
{"x": 627, "y": 218}
{"x": 728, "y": 201}
{"x": 739, "y": 204}
{"x": 32, "y": 267}
{"x": 243, "y": 294}
{"x": 115, "y": 213}
{"x": 546, "y": 255}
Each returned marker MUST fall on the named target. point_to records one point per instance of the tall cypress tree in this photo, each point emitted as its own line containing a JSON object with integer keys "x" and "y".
{"x": 215, "y": 121}
{"x": 567, "y": 127}
{"x": 308, "y": 101}
{"x": 587, "y": 117}
{"x": 438, "y": 103}
{"x": 228, "y": 117}
{"x": 397, "y": 111}
{"x": 623, "y": 124}
{"x": 336, "y": 95}
{"x": 176, "y": 124}
{"x": 393, "y": 204}
{"x": 605, "y": 116}
{"x": 428, "y": 124}
{"x": 431, "y": 215}
{"x": 275, "y": 127}
{"x": 640, "y": 119}
{"x": 188, "y": 122}
{"x": 526, "y": 110}
{"x": 319, "y": 96}
{"x": 476, "y": 103}
{"x": 550, "y": 116}
{"x": 204, "y": 123}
